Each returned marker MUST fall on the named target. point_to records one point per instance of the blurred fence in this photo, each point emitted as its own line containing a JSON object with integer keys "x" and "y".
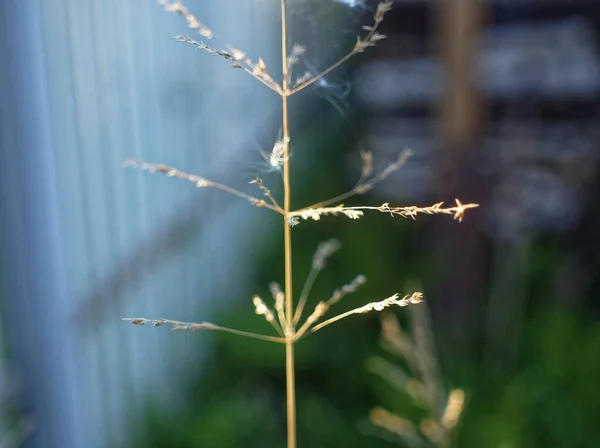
{"x": 84, "y": 85}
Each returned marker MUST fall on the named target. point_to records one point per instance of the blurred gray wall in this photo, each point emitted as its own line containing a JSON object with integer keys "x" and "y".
{"x": 84, "y": 85}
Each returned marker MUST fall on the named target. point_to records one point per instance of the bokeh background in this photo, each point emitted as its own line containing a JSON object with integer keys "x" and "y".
{"x": 498, "y": 100}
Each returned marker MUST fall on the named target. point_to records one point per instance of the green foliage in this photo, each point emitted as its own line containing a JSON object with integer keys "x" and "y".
{"x": 554, "y": 398}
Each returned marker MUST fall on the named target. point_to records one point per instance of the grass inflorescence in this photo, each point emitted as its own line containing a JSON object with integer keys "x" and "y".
{"x": 285, "y": 315}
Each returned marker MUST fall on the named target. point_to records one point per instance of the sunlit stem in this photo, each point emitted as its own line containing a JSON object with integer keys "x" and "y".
{"x": 289, "y": 311}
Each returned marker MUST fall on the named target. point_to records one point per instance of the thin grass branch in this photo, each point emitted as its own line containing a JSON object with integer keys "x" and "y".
{"x": 323, "y": 307}
{"x": 346, "y": 289}
{"x": 202, "y": 326}
{"x": 366, "y": 183}
{"x": 324, "y": 73}
{"x": 292, "y": 59}
{"x": 361, "y": 45}
{"x": 257, "y": 70}
{"x": 324, "y": 250}
{"x": 267, "y": 193}
{"x": 198, "y": 181}
{"x": 411, "y": 211}
{"x": 394, "y": 300}
{"x": 238, "y": 58}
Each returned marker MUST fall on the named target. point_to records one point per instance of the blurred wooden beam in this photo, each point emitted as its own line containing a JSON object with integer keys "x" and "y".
{"x": 458, "y": 25}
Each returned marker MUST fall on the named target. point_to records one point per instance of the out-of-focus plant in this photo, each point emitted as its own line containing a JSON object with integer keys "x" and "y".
{"x": 440, "y": 411}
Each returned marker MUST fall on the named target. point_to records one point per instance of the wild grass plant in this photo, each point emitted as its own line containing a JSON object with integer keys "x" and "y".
{"x": 419, "y": 378}
{"x": 287, "y": 316}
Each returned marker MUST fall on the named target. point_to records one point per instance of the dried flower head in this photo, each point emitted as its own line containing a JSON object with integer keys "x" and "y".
{"x": 413, "y": 299}
{"x": 277, "y": 156}
{"x": 325, "y": 250}
{"x": 193, "y": 23}
{"x": 262, "y": 310}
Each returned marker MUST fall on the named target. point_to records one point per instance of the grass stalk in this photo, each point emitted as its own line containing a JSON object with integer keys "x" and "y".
{"x": 289, "y": 305}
